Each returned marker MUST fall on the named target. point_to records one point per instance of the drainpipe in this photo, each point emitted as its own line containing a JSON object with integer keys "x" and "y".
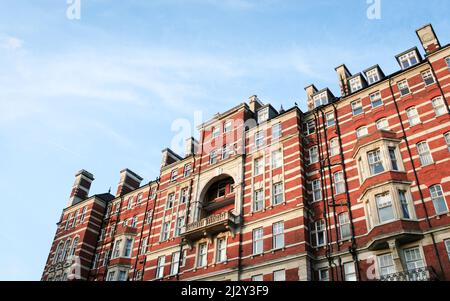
{"x": 324, "y": 195}
{"x": 353, "y": 249}
{"x": 142, "y": 231}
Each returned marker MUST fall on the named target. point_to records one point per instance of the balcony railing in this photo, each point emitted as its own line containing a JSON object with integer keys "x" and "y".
{"x": 420, "y": 274}
{"x": 210, "y": 224}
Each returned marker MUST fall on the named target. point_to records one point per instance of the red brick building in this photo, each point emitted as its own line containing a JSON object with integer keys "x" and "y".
{"x": 356, "y": 188}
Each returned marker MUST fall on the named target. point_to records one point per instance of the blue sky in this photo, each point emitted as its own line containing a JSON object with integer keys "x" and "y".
{"x": 102, "y": 93}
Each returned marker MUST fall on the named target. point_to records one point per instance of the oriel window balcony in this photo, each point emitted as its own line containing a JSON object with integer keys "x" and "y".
{"x": 419, "y": 274}
{"x": 208, "y": 226}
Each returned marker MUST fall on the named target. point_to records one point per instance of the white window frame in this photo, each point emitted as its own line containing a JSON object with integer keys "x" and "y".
{"x": 174, "y": 175}
{"x": 228, "y": 126}
{"x": 221, "y": 249}
{"x": 355, "y": 84}
{"x": 170, "y": 201}
{"x": 316, "y": 187}
{"x": 179, "y": 225}
{"x": 383, "y": 201}
{"x": 339, "y": 182}
{"x": 373, "y": 76}
{"x": 407, "y": 60}
{"x": 403, "y": 87}
{"x": 187, "y": 170}
{"x": 447, "y": 247}
{"x": 202, "y": 255}
{"x": 215, "y": 132}
{"x": 382, "y": 124}
{"x": 263, "y": 115}
{"x": 279, "y": 275}
{"x": 320, "y": 99}
{"x": 386, "y": 264}
{"x": 259, "y": 277}
{"x": 428, "y": 77}
{"x": 437, "y": 195}
{"x": 375, "y": 159}
{"x": 319, "y": 230}
{"x": 161, "y": 261}
{"x": 130, "y": 203}
{"x": 344, "y": 226}
{"x": 276, "y": 131}
{"x": 259, "y": 139}
{"x": 259, "y": 166}
{"x": 258, "y": 200}
{"x": 357, "y": 107}
{"x": 277, "y": 193}
{"x": 350, "y": 271}
{"x": 313, "y": 154}
{"x": 413, "y": 116}
{"x": 278, "y": 235}
{"x": 213, "y": 157}
{"x": 258, "y": 241}
{"x": 424, "y": 152}
{"x": 362, "y": 131}
{"x": 330, "y": 119}
{"x": 128, "y": 248}
{"x": 175, "y": 263}
{"x": 277, "y": 158}
{"x": 334, "y": 147}
{"x": 310, "y": 127}
{"x": 376, "y": 100}
{"x": 439, "y": 106}
{"x": 165, "y": 231}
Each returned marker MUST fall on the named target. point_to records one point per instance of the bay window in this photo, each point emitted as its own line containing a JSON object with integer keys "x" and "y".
{"x": 385, "y": 207}
{"x": 375, "y": 163}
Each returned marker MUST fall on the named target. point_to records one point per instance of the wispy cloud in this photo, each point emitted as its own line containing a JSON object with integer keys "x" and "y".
{"x": 10, "y": 43}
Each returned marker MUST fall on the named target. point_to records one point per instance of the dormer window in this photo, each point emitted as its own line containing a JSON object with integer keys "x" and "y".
{"x": 320, "y": 99}
{"x": 263, "y": 115}
{"x": 373, "y": 76}
{"x": 409, "y": 59}
{"x": 355, "y": 84}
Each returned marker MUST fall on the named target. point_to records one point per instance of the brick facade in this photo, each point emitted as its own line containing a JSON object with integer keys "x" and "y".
{"x": 356, "y": 188}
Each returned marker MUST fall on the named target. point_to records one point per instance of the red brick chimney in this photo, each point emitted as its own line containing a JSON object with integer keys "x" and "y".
{"x": 129, "y": 181}
{"x": 80, "y": 188}
{"x": 428, "y": 38}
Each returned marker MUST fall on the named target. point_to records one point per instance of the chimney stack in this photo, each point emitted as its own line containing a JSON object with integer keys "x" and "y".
{"x": 129, "y": 181}
{"x": 191, "y": 147}
{"x": 310, "y": 90}
{"x": 343, "y": 76}
{"x": 254, "y": 103}
{"x": 80, "y": 188}
{"x": 428, "y": 38}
